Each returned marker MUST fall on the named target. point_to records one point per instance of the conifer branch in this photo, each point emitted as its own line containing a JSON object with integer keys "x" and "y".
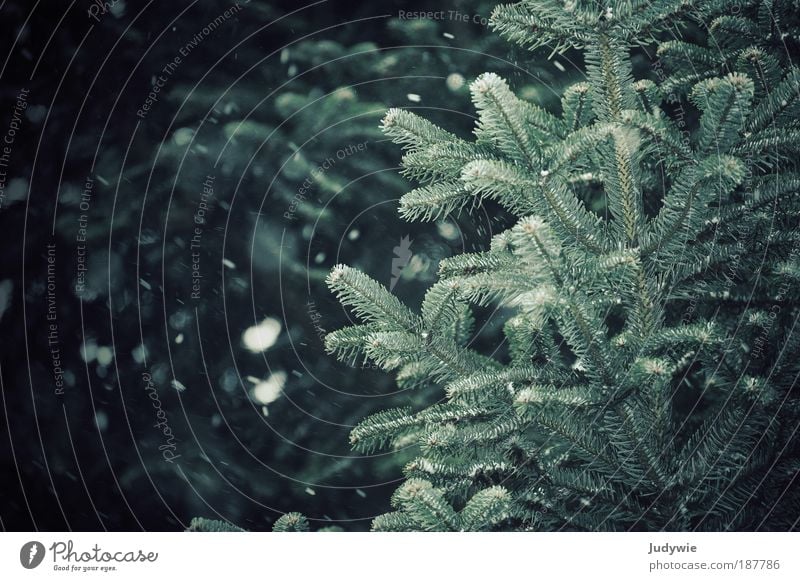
{"x": 649, "y": 248}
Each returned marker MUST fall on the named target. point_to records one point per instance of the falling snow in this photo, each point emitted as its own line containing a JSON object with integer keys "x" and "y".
{"x": 267, "y": 391}
{"x": 261, "y": 337}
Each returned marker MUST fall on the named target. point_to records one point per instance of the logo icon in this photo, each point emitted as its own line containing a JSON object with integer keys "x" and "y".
{"x": 402, "y": 256}
{"x": 31, "y": 554}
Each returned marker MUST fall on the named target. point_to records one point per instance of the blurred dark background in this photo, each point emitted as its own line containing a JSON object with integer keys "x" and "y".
{"x": 136, "y": 395}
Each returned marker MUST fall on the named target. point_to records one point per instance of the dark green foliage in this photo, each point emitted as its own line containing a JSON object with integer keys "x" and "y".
{"x": 291, "y": 522}
{"x": 207, "y": 525}
{"x": 647, "y": 290}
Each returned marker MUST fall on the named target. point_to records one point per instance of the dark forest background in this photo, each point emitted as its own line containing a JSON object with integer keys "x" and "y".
{"x": 101, "y": 326}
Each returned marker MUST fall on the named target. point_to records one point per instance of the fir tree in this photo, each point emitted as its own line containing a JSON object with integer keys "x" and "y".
{"x": 648, "y": 286}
